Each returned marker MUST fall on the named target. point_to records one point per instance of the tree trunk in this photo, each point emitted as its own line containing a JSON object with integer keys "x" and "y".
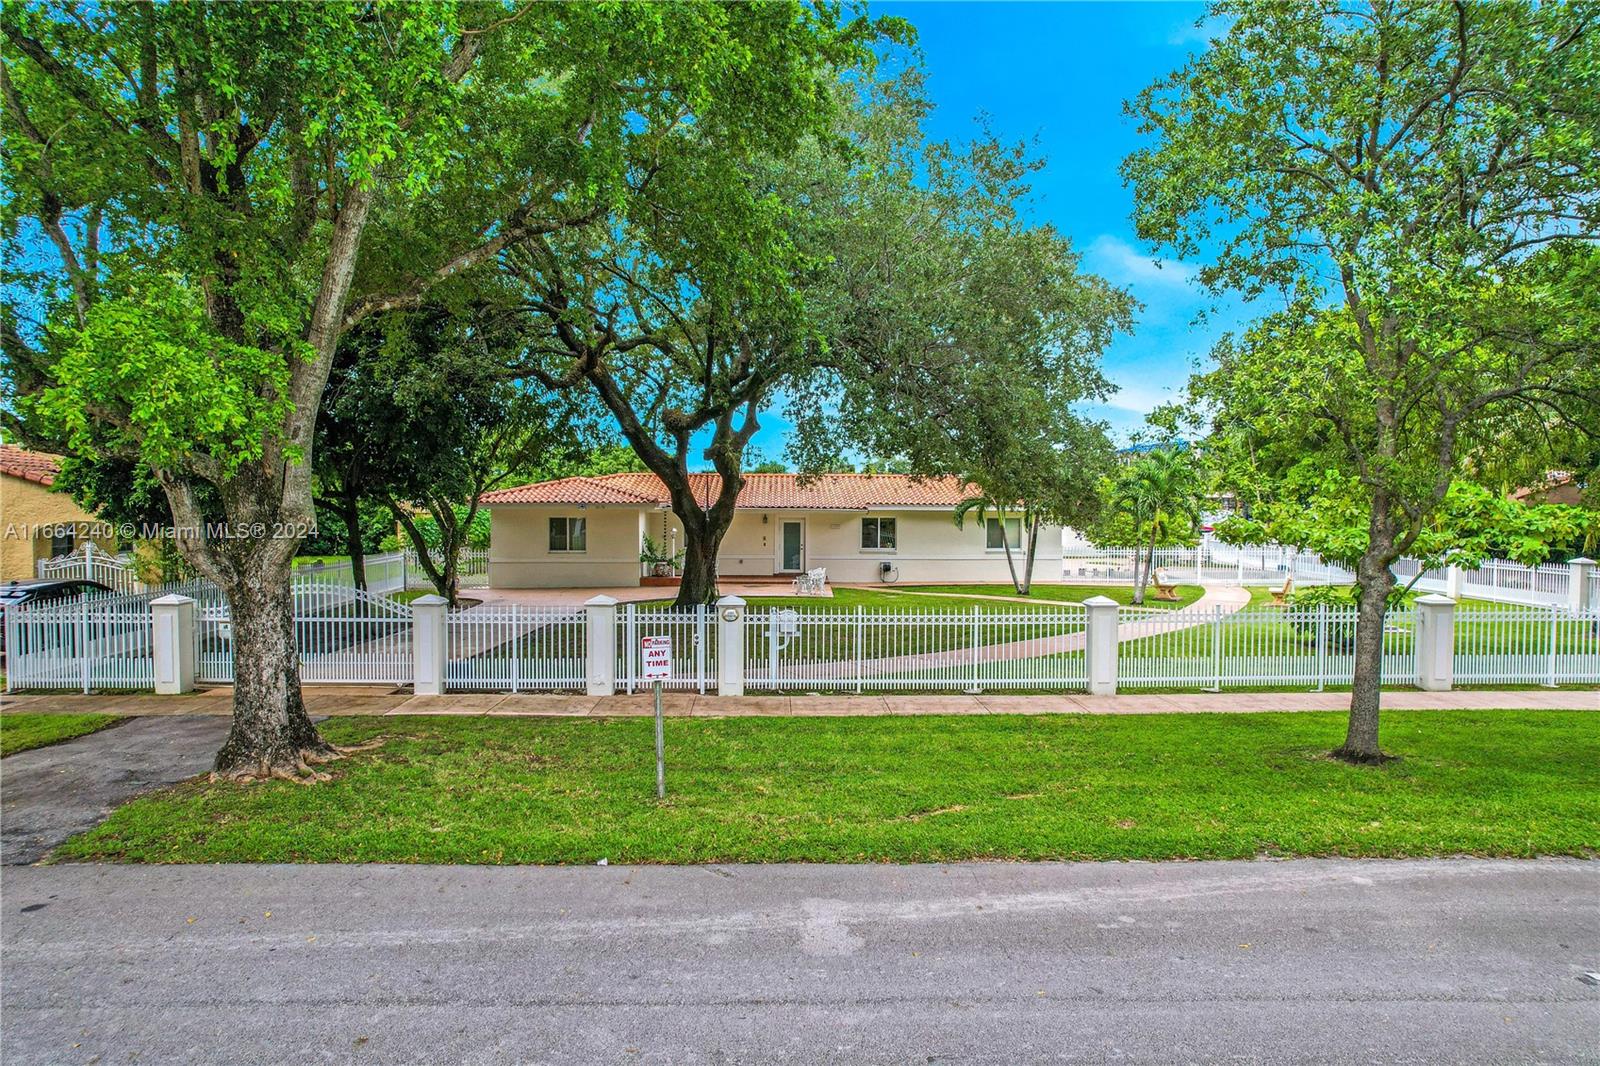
{"x": 1011, "y": 563}
{"x": 350, "y": 511}
{"x": 1033, "y": 548}
{"x": 272, "y": 735}
{"x": 1374, "y": 581}
{"x": 699, "y": 582}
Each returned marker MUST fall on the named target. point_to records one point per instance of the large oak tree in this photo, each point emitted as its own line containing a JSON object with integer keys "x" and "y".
{"x": 227, "y": 187}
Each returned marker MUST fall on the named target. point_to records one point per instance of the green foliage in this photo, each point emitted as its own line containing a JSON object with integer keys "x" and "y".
{"x": 477, "y": 532}
{"x": 653, "y": 553}
{"x": 1471, "y": 525}
{"x": 180, "y": 384}
{"x": 1154, "y": 500}
{"x": 1242, "y": 531}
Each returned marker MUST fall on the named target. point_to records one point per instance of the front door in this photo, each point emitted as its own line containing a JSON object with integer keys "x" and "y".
{"x": 794, "y": 547}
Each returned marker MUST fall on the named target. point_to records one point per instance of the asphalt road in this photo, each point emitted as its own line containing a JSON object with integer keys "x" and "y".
{"x": 54, "y": 792}
{"x": 1325, "y": 961}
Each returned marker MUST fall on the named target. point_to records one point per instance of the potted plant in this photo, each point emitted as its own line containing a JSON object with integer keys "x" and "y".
{"x": 656, "y": 558}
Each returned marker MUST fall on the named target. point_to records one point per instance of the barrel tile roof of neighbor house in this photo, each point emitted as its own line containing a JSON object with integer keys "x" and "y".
{"x": 37, "y": 467}
{"x": 772, "y": 492}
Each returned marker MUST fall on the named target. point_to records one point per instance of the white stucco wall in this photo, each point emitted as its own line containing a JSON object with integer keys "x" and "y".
{"x": 929, "y": 548}
{"x": 520, "y": 555}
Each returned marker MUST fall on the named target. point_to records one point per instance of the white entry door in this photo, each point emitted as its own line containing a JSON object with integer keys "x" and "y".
{"x": 794, "y": 547}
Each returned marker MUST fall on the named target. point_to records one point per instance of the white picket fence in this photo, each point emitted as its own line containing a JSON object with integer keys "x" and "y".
{"x": 348, "y": 636}
{"x": 879, "y": 649}
{"x": 1213, "y": 563}
{"x": 1526, "y": 645}
{"x": 1215, "y": 649}
{"x": 472, "y": 569}
{"x": 343, "y": 635}
{"x": 88, "y": 642}
{"x": 507, "y": 647}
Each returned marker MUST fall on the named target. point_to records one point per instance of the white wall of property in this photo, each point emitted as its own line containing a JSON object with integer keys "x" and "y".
{"x": 929, "y": 547}
{"x": 520, "y": 555}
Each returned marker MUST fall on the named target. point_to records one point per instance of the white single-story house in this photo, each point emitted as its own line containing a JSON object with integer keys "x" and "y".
{"x": 861, "y": 528}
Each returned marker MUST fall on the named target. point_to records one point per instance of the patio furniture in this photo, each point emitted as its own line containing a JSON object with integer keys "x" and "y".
{"x": 811, "y": 583}
{"x": 1166, "y": 587}
{"x": 1280, "y": 597}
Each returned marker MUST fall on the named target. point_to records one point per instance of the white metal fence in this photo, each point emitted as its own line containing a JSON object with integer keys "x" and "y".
{"x": 694, "y": 639}
{"x": 1213, "y": 563}
{"x": 91, "y": 563}
{"x": 87, "y": 642}
{"x": 343, "y": 635}
{"x": 1526, "y": 645}
{"x": 879, "y": 649}
{"x": 472, "y": 569}
{"x": 499, "y": 647}
{"x": 1215, "y": 649}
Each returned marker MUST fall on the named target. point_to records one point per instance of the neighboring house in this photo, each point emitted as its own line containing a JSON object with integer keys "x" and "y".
{"x": 35, "y": 521}
{"x": 1559, "y": 486}
{"x": 587, "y": 531}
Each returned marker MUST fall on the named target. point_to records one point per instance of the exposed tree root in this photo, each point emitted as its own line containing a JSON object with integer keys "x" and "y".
{"x": 298, "y": 764}
{"x": 1362, "y": 758}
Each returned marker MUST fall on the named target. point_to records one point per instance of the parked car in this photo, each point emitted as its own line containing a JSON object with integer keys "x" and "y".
{"x": 17, "y": 593}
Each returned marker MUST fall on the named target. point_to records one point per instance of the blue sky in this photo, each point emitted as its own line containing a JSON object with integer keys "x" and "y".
{"x": 1057, "y": 74}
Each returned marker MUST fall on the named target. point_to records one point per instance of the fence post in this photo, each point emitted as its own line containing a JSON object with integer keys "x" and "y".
{"x": 428, "y": 645}
{"x": 1452, "y": 581}
{"x": 83, "y": 641}
{"x": 861, "y": 627}
{"x": 1580, "y": 580}
{"x": 602, "y": 631}
{"x": 173, "y": 644}
{"x": 730, "y": 646}
{"x": 1555, "y": 629}
{"x": 1435, "y": 636}
{"x": 1100, "y": 645}
{"x": 1322, "y": 646}
{"x": 977, "y": 642}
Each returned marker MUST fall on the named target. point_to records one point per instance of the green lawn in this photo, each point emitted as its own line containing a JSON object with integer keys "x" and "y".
{"x": 21, "y": 732}
{"x": 482, "y": 790}
{"x": 1075, "y": 594}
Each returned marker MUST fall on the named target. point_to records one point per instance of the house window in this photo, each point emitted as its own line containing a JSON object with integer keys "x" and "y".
{"x": 63, "y": 543}
{"x": 568, "y": 535}
{"x": 1012, "y": 537}
{"x": 877, "y": 533}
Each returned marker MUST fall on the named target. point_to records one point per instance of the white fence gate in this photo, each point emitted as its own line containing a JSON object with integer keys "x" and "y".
{"x": 91, "y": 564}
{"x": 694, "y": 652}
{"x": 498, "y": 647}
{"x": 344, "y": 635}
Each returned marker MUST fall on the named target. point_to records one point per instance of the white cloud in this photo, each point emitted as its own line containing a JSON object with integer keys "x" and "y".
{"x": 1197, "y": 31}
{"x": 1121, "y": 262}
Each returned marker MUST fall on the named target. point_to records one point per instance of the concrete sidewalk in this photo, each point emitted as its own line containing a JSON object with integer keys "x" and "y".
{"x": 341, "y": 700}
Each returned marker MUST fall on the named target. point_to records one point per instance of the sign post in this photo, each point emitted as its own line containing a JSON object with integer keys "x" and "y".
{"x": 656, "y": 663}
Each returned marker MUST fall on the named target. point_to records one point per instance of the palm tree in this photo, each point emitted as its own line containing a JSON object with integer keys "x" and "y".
{"x": 1026, "y": 516}
{"x": 1161, "y": 494}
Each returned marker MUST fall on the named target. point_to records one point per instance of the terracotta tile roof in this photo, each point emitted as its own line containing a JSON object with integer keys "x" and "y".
{"x": 37, "y": 467}
{"x": 767, "y": 492}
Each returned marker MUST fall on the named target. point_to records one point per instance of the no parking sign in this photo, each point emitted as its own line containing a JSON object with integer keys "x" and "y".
{"x": 656, "y": 658}
{"x": 655, "y": 662}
